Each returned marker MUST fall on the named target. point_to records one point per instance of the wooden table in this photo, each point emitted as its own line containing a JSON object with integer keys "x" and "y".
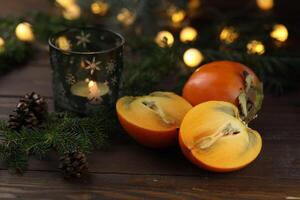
{"x": 129, "y": 171}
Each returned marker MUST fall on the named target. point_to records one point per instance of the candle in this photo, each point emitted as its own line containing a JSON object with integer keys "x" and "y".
{"x": 91, "y": 90}
{"x": 24, "y": 32}
{"x": 94, "y": 91}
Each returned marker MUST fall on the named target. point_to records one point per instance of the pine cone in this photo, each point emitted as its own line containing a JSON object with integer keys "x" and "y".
{"x": 36, "y": 104}
{"x": 22, "y": 117}
{"x": 73, "y": 164}
{"x": 30, "y": 112}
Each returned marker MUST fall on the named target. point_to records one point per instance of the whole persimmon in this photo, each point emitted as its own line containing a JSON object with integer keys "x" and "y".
{"x": 214, "y": 137}
{"x": 226, "y": 81}
{"x": 153, "y": 120}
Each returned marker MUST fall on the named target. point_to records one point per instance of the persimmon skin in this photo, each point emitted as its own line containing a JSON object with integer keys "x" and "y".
{"x": 235, "y": 147}
{"x": 153, "y": 120}
{"x": 187, "y": 153}
{"x": 152, "y": 139}
{"x": 218, "y": 81}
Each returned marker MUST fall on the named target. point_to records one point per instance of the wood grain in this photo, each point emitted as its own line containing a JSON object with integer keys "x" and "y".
{"x": 50, "y": 186}
{"x": 129, "y": 171}
{"x": 275, "y": 173}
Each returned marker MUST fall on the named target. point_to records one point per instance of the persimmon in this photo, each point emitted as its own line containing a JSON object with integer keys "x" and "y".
{"x": 153, "y": 120}
{"x": 226, "y": 81}
{"x": 214, "y": 137}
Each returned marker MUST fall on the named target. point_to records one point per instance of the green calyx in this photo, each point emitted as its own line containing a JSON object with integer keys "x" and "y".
{"x": 250, "y": 98}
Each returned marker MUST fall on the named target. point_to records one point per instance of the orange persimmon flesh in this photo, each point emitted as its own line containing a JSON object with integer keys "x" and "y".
{"x": 213, "y": 137}
{"x": 153, "y": 120}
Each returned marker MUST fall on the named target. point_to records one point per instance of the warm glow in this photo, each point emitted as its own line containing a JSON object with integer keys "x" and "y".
{"x": 178, "y": 16}
{"x": 99, "y": 8}
{"x": 279, "y": 33}
{"x": 192, "y": 57}
{"x": 194, "y": 4}
{"x": 24, "y": 32}
{"x": 63, "y": 43}
{"x": 65, "y": 3}
{"x": 265, "y": 4}
{"x": 255, "y": 47}
{"x": 94, "y": 91}
{"x": 2, "y": 44}
{"x": 92, "y": 84}
{"x": 164, "y": 39}
{"x": 188, "y": 34}
{"x": 126, "y": 17}
{"x": 72, "y": 12}
{"x": 228, "y": 35}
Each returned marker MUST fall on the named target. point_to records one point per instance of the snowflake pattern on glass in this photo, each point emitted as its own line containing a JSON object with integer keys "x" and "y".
{"x": 71, "y": 61}
{"x": 83, "y": 39}
{"x": 114, "y": 80}
{"x": 92, "y": 65}
{"x": 110, "y": 67}
{"x": 70, "y": 79}
{"x": 95, "y": 100}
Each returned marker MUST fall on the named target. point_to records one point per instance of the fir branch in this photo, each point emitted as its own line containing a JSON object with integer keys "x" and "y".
{"x": 61, "y": 133}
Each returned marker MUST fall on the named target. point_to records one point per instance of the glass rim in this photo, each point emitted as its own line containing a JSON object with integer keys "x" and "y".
{"x": 55, "y": 35}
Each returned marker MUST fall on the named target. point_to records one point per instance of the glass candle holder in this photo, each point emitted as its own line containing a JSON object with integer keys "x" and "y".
{"x": 87, "y": 65}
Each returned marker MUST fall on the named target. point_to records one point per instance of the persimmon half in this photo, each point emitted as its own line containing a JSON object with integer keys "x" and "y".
{"x": 214, "y": 137}
{"x": 226, "y": 81}
{"x": 153, "y": 120}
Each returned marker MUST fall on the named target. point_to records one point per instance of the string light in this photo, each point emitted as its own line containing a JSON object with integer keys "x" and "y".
{"x": 188, "y": 34}
{"x": 99, "y": 8}
{"x": 126, "y": 17}
{"x": 72, "y": 12}
{"x": 2, "y": 45}
{"x": 164, "y": 39}
{"x": 192, "y": 57}
{"x": 194, "y": 4}
{"x": 228, "y": 35}
{"x": 63, "y": 43}
{"x": 178, "y": 16}
{"x": 265, "y": 4}
{"x": 279, "y": 32}
{"x": 24, "y": 32}
{"x": 65, "y": 3}
{"x": 255, "y": 47}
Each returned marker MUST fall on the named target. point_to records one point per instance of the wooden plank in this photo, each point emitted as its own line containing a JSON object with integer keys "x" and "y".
{"x": 20, "y": 8}
{"x": 8, "y": 104}
{"x": 280, "y": 156}
{"x": 49, "y": 185}
{"x": 27, "y": 79}
{"x": 277, "y": 160}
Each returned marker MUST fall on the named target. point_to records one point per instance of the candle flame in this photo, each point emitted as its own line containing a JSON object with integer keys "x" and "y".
{"x": 92, "y": 84}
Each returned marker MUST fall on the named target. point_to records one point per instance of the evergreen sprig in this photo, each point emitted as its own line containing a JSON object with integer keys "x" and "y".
{"x": 149, "y": 67}
{"x": 61, "y": 132}
{"x": 15, "y": 51}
